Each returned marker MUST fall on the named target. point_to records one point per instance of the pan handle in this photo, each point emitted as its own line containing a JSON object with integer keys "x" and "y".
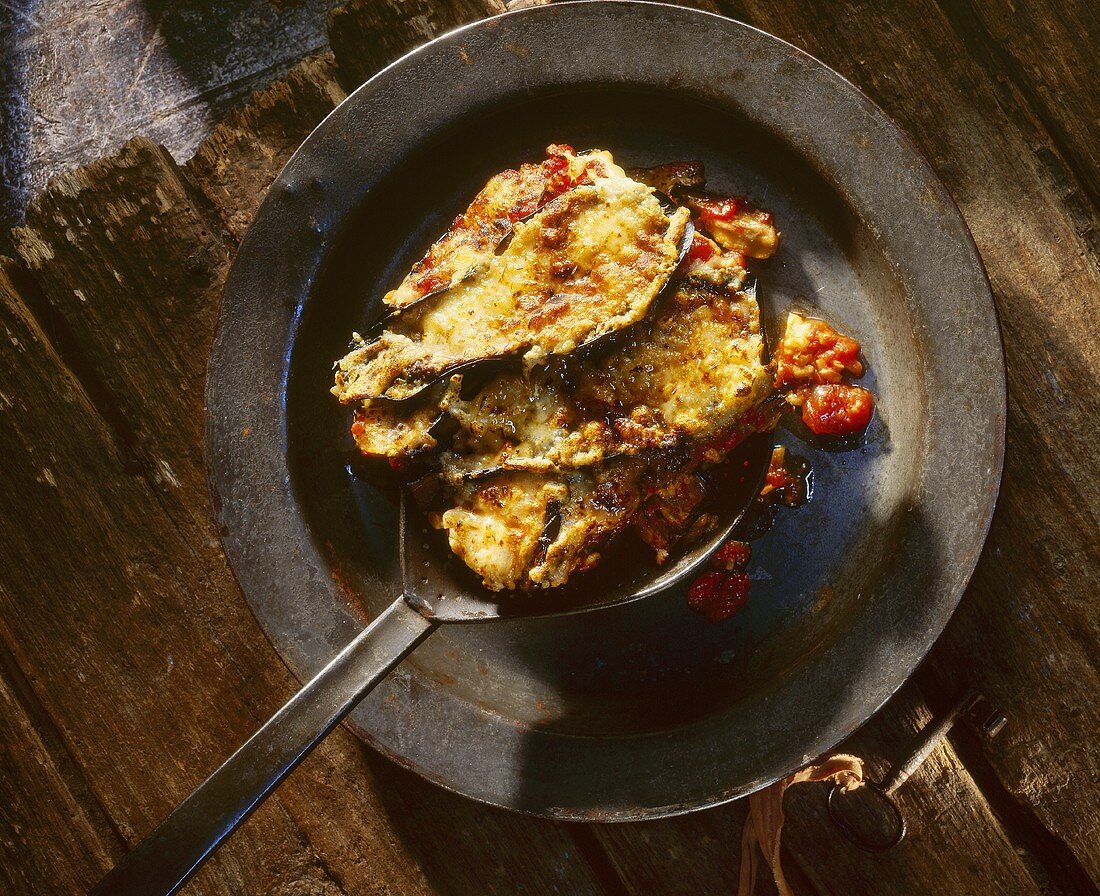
{"x": 161, "y": 863}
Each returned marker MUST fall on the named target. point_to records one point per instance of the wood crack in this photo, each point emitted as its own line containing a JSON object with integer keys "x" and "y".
{"x": 597, "y": 858}
{"x": 65, "y": 344}
{"x": 1056, "y": 869}
{"x": 1049, "y": 860}
{"x": 57, "y": 746}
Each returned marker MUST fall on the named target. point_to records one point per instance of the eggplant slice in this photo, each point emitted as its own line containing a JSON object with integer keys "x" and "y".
{"x": 497, "y": 528}
{"x": 609, "y": 443}
{"x": 508, "y": 198}
{"x": 498, "y": 525}
{"x": 735, "y": 223}
{"x": 589, "y": 263}
{"x": 671, "y": 177}
{"x": 389, "y": 430}
{"x": 688, "y": 375}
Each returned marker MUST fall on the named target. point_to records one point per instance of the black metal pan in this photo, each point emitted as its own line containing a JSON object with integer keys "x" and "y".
{"x": 644, "y": 709}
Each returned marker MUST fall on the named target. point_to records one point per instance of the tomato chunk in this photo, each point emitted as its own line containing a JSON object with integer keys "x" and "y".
{"x": 837, "y": 410}
{"x": 701, "y": 248}
{"x": 718, "y": 595}
{"x": 430, "y": 282}
{"x": 732, "y": 556}
{"x": 812, "y": 353}
{"x": 721, "y": 208}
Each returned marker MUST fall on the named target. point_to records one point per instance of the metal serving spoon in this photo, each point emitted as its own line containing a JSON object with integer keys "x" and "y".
{"x": 437, "y": 589}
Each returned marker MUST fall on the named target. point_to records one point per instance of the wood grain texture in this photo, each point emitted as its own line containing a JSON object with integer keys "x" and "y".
{"x": 236, "y": 164}
{"x": 47, "y": 809}
{"x": 1046, "y": 54}
{"x": 956, "y": 845}
{"x": 41, "y": 819}
{"x": 98, "y": 73}
{"x": 144, "y": 328}
{"x": 366, "y": 35}
{"x": 70, "y": 486}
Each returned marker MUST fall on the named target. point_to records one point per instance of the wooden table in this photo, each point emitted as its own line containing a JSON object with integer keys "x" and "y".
{"x": 130, "y": 664}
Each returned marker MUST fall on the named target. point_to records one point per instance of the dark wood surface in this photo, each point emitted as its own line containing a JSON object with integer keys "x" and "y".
{"x": 77, "y": 79}
{"x": 130, "y": 664}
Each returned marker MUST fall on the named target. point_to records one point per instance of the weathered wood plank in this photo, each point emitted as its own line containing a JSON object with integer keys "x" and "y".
{"x": 237, "y": 163}
{"x": 46, "y": 809}
{"x": 1021, "y": 192}
{"x": 174, "y": 666}
{"x": 91, "y": 240}
{"x": 106, "y": 622}
{"x": 1046, "y": 55}
{"x": 40, "y": 819}
{"x": 689, "y": 855}
{"x": 955, "y": 843}
{"x": 102, "y": 72}
{"x": 366, "y": 36}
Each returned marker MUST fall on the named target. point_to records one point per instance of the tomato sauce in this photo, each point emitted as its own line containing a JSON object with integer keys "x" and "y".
{"x": 558, "y": 179}
{"x": 724, "y": 208}
{"x": 837, "y": 410}
{"x": 718, "y": 595}
{"x": 812, "y": 353}
{"x": 811, "y": 364}
{"x": 701, "y": 249}
{"x": 733, "y": 556}
{"x": 429, "y": 282}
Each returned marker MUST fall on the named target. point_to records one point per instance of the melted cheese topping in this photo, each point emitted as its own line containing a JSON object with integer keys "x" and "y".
{"x": 550, "y": 463}
{"x": 508, "y": 197}
{"x": 687, "y": 377}
{"x": 382, "y": 429}
{"x": 690, "y": 379}
{"x": 495, "y": 527}
{"x": 474, "y": 235}
{"x": 589, "y": 263}
{"x": 700, "y": 368}
{"x": 500, "y": 527}
{"x": 514, "y": 423}
{"x": 600, "y": 503}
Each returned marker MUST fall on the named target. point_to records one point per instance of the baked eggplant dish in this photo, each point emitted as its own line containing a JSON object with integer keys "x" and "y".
{"x": 573, "y": 355}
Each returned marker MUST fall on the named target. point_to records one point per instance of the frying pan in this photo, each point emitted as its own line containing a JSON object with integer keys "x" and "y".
{"x": 645, "y": 709}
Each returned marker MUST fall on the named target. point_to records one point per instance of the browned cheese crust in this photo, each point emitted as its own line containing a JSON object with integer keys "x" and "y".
{"x": 475, "y": 234}
{"x": 613, "y": 437}
{"x": 589, "y": 263}
{"x": 693, "y": 370}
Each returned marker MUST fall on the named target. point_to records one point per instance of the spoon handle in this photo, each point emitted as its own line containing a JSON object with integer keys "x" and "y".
{"x": 167, "y": 857}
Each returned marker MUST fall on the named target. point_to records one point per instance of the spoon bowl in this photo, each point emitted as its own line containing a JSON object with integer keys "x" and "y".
{"x": 440, "y": 586}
